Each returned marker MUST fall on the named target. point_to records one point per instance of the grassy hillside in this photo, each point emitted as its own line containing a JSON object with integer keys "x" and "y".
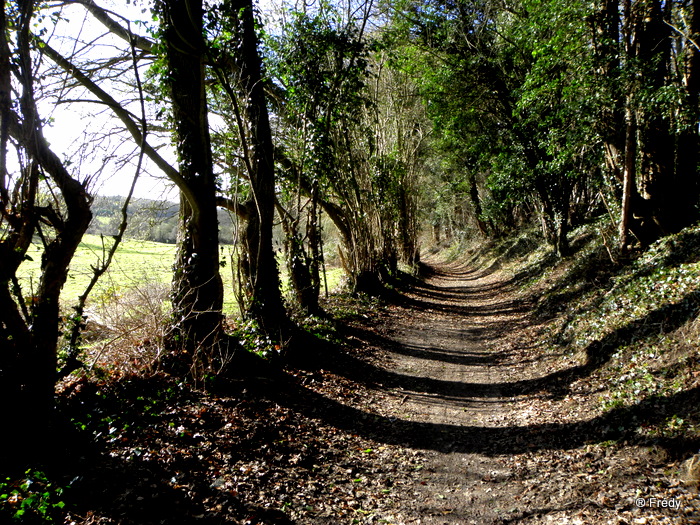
{"x": 136, "y": 262}
{"x": 151, "y": 220}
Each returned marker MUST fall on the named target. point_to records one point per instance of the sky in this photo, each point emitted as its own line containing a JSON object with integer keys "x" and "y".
{"x": 78, "y": 35}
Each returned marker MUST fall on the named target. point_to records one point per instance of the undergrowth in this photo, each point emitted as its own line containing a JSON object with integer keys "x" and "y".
{"x": 30, "y": 498}
{"x": 633, "y": 329}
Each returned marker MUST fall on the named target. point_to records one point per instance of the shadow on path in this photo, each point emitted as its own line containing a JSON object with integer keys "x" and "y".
{"x": 615, "y": 424}
{"x": 556, "y": 384}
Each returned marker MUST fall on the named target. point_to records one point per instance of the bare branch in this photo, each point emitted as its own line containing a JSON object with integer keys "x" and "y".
{"x": 72, "y": 362}
{"x": 227, "y": 203}
{"x": 105, "y": 17}
{"x": 684, "y": 35}
{"x": 125, "y": 116}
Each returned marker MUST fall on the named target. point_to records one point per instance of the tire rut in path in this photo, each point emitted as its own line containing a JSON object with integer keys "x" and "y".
{"x": 441, "y": 341}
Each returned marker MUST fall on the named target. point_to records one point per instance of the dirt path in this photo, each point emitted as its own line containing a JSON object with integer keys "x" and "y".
{"x": 443, "y": 341}
{"x": 502, "y": 443}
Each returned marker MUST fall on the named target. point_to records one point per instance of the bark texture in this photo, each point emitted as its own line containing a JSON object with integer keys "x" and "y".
{"x": 197, "y": 285}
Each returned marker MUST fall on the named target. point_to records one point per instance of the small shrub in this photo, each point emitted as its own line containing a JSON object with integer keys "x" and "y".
{"x": 251, "y": 338}
{"x": 131, "y": 324}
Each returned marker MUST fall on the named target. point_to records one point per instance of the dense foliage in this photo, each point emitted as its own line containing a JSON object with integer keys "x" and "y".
{"x": 528, "y": 102}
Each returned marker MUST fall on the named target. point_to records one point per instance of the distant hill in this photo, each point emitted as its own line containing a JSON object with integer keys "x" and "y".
{"x": 149, "y": 220}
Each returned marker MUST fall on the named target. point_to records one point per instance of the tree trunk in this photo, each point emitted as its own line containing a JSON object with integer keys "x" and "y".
{"x": 313, "y": 234}
{"x": 259, "y": 265}
{"x": 607, "y": 58}
{"x": 197, "y": 284}
{"x": 476, "y": 202}
{"x": 687, "y": 150}
{"x": 29, "y": 333}
{"x": 299, "y": 265}
{"x": 656, "y": 142}
{"x": 554, "y": 196}
{"x": 629, "y": 187}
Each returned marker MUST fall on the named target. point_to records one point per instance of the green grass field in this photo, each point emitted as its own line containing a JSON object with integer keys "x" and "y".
{"x": 136, "y": 263}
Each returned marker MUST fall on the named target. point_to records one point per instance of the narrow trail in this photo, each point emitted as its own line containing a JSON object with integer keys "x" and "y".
{"x": 509, "y": 432}
{"x": 445, "y": 341}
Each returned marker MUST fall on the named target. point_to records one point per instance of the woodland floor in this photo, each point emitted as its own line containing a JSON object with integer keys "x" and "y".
{"x": 441, "y": 409}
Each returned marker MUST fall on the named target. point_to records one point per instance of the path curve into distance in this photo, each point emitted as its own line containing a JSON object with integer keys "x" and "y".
{"x": 451, "y": 376}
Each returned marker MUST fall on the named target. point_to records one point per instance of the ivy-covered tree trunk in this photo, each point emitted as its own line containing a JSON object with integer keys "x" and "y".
{"x": 554, "y": 196}
{"x": 259, "y": 265}
{"x": 629, "y": 186}
{"x": 476, "y": 202}
{"x": 606, "y": 37}
{"x": 664, "y": 195}
{"x": 29, "y": 319}
{"x": 315, "y": 243}
{"x": 657, "y": 184}
{"x": 303, "y": 270}
{"x": 197, "y": 286}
